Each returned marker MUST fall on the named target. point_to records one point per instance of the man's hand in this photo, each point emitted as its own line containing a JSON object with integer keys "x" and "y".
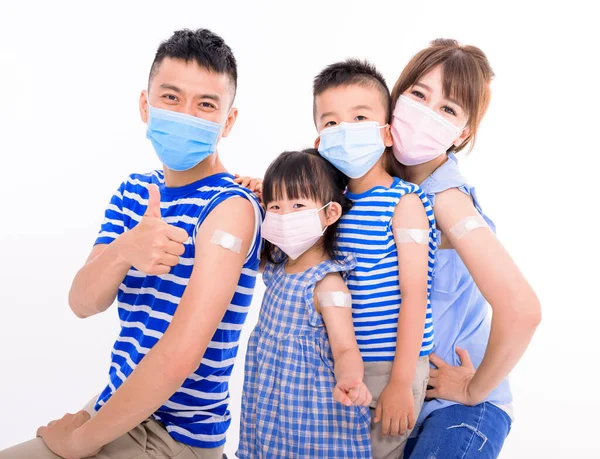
{"x": 395, "y": 409}
{"x": 153, "y": 246}
{"x": 450, "y": 382}
{"x": 59, "y": 436}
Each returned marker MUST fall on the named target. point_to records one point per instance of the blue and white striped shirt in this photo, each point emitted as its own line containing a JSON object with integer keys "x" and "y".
{"x": 366, "y": 231}
{"x": 197, "y": 414}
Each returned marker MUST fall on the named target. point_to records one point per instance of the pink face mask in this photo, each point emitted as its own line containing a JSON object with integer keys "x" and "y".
{"x": 419, "y": 133}
{"x": 294, "y": 233}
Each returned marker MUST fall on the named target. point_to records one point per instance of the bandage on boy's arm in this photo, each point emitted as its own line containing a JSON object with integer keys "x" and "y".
{"x": 179, "y": 352}
{"x": 413, "y": 272}
{"x": 516, "y": 307}
{"x": 340, "y": 330}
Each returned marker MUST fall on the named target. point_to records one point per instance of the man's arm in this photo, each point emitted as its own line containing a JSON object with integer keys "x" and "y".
{"x": 179, "y": 352}
{"x": 152, "y": 246}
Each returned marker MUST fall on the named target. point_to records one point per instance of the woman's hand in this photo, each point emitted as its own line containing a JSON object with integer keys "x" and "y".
{"x": 450, "y": 382}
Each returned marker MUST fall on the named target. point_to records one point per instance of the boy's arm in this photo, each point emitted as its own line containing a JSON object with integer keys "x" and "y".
{"x": 395, "y": 407}
{"x": 348, "y": 364}
{"x": 179, "y": 352}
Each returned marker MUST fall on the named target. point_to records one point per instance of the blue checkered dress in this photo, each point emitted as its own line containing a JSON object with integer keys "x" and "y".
{"x": 288, "y": 410}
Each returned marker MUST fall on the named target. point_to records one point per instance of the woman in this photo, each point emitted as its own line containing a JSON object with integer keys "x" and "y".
{"x": 440, "y": 98}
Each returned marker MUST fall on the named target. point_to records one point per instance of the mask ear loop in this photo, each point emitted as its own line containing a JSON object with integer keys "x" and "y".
{"x": 329, "y": 203}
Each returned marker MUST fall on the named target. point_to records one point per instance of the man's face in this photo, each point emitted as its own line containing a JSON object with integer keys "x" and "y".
{"x": 187, "y": 88}
{"x": 351, "y": 104}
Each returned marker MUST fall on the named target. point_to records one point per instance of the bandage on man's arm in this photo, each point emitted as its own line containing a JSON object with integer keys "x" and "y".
{"x": 226, "y": 240}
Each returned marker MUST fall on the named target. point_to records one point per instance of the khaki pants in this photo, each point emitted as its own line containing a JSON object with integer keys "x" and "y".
{"x": 149, "y": 440}
{"x": 377, "y": 375}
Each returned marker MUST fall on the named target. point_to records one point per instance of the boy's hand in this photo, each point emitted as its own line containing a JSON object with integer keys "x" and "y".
{"x": 253, "y": 184}
{"x": 153, "y": 246}
{"x": 352, "y": 393}
{"x": 395, "y": 409}
{"x": 59, "y": 436}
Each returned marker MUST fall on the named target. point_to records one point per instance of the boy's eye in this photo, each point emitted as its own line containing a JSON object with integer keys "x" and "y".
{"x": 360, "y": 118}
{"x": 418, "y": 94}
{"x": 330, "y": 123}
{"x": 449, "y": 110}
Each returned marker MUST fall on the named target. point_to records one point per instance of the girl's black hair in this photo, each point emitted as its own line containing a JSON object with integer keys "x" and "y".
{"x": 305, "y": 175}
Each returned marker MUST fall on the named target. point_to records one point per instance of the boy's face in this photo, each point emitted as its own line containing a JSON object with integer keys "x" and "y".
{"x": 351, "y": 104}
{"x": 187, "y": 88}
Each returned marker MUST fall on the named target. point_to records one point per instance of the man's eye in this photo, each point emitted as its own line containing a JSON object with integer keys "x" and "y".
{"x": 207, "y": 105}
{"x": 418, "y": 94}
{"x": 170, "y": 97}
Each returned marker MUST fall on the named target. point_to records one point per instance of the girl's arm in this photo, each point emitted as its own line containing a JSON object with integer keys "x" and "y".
{"x": 395, "y": 408}
{"x": 348, "y": 364}
{"x": 516, "y": 308}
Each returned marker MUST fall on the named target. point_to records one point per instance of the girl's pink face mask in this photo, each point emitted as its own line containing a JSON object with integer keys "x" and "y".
{"x": 419, "y": 133}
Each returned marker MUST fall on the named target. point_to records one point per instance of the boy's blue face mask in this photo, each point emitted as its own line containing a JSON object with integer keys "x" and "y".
{"x": 181, "y": 141}
{"x": 353, "y": 148}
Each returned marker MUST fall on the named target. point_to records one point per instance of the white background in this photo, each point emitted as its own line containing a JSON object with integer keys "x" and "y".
{"x": 70, "y": 132}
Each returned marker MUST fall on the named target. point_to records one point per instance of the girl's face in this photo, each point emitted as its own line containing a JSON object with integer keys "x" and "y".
{"x": 429, "y": 92}
{"x": 284, "y": 206}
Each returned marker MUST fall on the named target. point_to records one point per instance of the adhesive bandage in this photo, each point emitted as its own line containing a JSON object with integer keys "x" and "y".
{"x": 468, "y": 224}
{"x": 227, "y": 241}
{"x": 405, "y": 236}
{"x": 339, "y": 299}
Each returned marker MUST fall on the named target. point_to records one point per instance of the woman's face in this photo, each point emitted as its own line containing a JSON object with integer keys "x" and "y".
{"x": 429, "y": 92}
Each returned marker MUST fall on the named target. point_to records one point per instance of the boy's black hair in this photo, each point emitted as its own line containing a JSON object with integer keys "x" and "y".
{"x": 350, "y": 72}
{"x": 204, "y": 47}
{"x": 305, "y": 174}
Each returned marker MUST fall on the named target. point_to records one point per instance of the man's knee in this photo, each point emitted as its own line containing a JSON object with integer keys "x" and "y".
{"x": 32, "y": 449}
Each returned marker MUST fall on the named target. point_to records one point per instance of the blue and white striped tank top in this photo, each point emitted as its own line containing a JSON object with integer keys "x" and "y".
{"x": 366, "y": 231}
{"x": 197, "y": 414}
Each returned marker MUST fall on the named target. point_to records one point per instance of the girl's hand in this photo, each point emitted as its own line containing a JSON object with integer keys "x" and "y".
{"x": 353, "y": 393}
{"x": 396, "y": 409}
{"x": 253, "y": 184}
{"x": 450, "y": 382}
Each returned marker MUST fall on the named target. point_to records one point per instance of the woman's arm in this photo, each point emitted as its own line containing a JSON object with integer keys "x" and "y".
{"x": 348, "y": 364}
{"x": 516, "y": 308}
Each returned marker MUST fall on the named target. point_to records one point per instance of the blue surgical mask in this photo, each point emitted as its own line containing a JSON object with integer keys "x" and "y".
{"x": 181, "y": 141}
{"x": 353, "y": 148}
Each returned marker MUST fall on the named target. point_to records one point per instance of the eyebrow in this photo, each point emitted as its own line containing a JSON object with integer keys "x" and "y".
{"x": 173, "y": 88}
{"x": 358, "y": 107}
{"x": 424, "y": 86}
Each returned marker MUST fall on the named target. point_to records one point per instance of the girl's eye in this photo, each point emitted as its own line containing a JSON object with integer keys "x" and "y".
{"x": 298, "y": 205}
{"x": 273, "y": 207}
{"x": 449, "y": 110}
{"x": 330, "y": 123}
{"x": 360, "y": 118}
{"x": 418, "y": 94}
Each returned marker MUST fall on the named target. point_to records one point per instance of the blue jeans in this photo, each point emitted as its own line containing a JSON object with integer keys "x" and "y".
{"x": 460, "y": 432}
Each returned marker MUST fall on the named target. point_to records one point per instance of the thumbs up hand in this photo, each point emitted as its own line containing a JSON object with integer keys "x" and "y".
{"x": 153, "y": 246}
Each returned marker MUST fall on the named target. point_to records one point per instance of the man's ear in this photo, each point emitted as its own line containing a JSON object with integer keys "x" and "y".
{"x": 317, "y": 142}
{"x": 230, "y": 121}
{"x": 144, "y": 106}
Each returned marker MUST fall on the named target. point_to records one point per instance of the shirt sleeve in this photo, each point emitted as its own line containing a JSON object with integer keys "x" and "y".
{"x": 113, "y": 225}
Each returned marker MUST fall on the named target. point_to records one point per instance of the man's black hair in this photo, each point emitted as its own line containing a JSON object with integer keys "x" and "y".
{"x": 204, "y": 47}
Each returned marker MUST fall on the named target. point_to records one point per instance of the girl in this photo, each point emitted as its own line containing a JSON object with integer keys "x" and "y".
{"x": 303, "y": 346}
{"x": 440, "y": 99}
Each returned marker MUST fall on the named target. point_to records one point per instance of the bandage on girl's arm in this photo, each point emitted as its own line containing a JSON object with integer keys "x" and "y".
{"x": 337, "y": 299}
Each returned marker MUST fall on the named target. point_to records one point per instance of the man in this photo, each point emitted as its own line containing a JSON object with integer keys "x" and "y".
{"x": 179, "y": 248}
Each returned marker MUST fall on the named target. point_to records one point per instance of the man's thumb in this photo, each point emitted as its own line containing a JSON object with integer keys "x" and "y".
{"x": 153, "y": 209}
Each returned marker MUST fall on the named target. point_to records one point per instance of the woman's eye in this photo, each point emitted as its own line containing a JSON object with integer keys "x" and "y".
{"x": 449, "y": 110}
{"x": 360, "y": 118}
{"x": 330, "y": 123}
{"x": 418, "y": 94}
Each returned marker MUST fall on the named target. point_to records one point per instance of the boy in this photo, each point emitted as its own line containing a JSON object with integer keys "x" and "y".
{"x": 181, "y": 256}
{"x": 390, "y": 229}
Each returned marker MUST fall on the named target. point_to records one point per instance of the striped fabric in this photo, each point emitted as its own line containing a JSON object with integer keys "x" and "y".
{"x": 366, "y": 231}
{"x": 197, "y": 414}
